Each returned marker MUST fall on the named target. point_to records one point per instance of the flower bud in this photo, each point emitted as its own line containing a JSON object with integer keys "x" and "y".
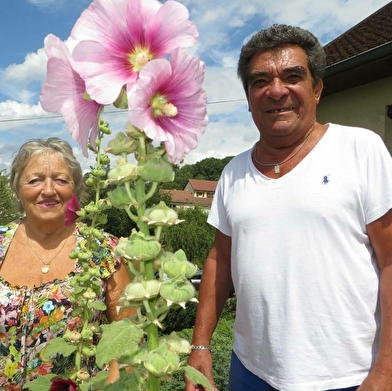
{"x": 161, "y": 214}
{"x": 162, "y": 361}
{"x": 87, "y": 334}
{"x": 89, "y": 350}
{"x": 157, "y": 170}
{"x": 122, "y": 100}
{"x": 176, "y": 267}
{"x": 122, "y": 144}
{"x": 119, "y": 197}
{"x": 124, "y": 172}
{"x": 72, "y": 336}
{"x": 178, "y": 293}
{"x": 133, "y": 131}
{"x": 141, "y": 290}
{"x": 138, "y": 247}
{"x": 177, "y": 344}
{"x": 82, "y": 375}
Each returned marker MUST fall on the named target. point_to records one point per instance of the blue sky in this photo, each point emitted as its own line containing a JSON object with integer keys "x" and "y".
{"x": 223, "y": 25}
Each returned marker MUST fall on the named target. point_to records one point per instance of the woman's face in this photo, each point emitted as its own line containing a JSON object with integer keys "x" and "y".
{"x": 45, "y": 187}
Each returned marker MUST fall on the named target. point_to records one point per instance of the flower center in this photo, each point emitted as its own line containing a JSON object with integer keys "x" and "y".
{"x": 139, "y": 58}
{"x": 161, "y": 106}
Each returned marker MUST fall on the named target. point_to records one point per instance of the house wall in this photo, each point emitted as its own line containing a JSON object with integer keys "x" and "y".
{"x": 363, "y": 106}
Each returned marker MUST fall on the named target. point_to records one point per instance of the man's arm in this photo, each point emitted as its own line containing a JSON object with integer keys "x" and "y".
{"x": 380, "y": 234}
{"x": 214, "y": 290}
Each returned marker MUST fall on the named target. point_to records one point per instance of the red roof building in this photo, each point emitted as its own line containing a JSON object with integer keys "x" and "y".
{"x": 196, "y": 193}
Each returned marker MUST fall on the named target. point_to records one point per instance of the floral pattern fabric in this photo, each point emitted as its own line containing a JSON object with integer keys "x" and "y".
{"x": 30, "y": 317}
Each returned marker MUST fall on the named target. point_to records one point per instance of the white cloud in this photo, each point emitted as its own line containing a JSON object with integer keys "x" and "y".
{"x": 19, "y": 81}
{"x": 223, "y": 27}
{"x": 14, "y": 110}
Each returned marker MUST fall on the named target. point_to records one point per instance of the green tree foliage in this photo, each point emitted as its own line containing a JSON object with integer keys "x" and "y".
{"x": 208, "y": 169}
{"x": 8, "y": 211}
{"x": 194, "y": 235}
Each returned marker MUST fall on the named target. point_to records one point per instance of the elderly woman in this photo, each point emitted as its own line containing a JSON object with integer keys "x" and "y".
{"x": 35, "y": 267}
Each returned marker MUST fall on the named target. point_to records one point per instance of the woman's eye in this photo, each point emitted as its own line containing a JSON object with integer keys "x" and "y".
{"x": 33, "y": 181}
{"x": 61, "y": 181}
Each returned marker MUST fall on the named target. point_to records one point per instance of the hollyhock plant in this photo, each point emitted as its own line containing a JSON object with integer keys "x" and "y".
{"x": 118, "y": 37}
{"x": 64, "y": 92}
{"x": 129, "y": 53}
{"x": 169, "y": 104}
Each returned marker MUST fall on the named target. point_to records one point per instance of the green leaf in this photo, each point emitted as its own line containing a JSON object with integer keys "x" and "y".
{"x": 40, "y": 383}
{"x": 197, "y": 377}
{"x": 127, "y": 382}
{"x": 96, "y": 304}
{"x": 118, "y": 338}
{"x": 97, "y": 382}
{"x": 59, "y": 345}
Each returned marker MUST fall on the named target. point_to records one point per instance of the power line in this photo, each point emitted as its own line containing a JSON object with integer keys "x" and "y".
{"x": 110, "y": 112}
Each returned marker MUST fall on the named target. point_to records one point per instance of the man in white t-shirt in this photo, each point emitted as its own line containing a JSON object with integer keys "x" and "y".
{"x": 304, "y": 233}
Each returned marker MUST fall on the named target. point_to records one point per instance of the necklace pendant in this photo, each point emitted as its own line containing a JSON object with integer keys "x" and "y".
{"x": 277, "y": 169}
{"x": 45, "y": 269}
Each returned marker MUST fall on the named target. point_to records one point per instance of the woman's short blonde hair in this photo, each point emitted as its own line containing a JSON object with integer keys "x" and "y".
{"x": 46, "y": 145}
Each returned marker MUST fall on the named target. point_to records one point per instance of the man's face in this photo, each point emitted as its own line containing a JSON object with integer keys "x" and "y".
{"x": 281, "y": 95}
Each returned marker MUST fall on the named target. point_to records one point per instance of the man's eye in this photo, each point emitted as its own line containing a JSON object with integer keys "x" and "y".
{"x": 259, "y": 83}
{"x": 294, "y": 78}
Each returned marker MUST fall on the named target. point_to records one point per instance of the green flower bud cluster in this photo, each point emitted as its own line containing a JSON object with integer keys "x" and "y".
{"x": 86, "y": 285}
{"x": 161, "y": 214}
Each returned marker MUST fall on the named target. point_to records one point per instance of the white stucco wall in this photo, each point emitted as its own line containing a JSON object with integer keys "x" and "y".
{"x": 363, "y": 106}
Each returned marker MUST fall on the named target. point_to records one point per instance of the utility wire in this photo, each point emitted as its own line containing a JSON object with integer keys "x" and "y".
{"x": 110, "y": 112}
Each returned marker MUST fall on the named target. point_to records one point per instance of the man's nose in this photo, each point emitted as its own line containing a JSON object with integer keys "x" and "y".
{"x": 277, "y": 89}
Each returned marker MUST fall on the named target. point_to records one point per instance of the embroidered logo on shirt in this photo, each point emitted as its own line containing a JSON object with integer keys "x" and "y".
{"x": 325, "y": 180}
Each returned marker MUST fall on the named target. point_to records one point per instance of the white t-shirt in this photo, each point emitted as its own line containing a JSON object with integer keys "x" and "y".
{"x": 304, "y": 272}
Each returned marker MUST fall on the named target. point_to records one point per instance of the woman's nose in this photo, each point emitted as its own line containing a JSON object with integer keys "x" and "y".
{"x": 48, "y": 186}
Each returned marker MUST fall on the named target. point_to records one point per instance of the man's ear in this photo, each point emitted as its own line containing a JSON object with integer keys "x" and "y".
{"x": 318, "y": 90}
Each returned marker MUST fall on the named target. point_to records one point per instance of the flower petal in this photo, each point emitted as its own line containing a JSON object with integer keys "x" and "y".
{"x": 63, "y": 92}
{"x": 70, "y": 213}
{"x": 180, "y": 82}
{"x": 114, "y": 35}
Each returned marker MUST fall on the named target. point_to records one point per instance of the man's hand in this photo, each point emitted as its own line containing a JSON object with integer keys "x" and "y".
{"x": 202, "y": 361}
{"x": 377, "y": 382}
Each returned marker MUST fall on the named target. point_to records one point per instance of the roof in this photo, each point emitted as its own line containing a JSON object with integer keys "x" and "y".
{"x": 360, "y": 55}
{"x": 203, "y": 185}
{"x": 186, "y": 197}
{"x": 371, "y": 33}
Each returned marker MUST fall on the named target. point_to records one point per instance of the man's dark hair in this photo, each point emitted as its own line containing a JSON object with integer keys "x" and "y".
{"x": 279, "y": 35}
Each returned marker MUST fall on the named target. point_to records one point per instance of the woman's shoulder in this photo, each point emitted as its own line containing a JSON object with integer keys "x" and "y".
{"x": 10, "y": 228}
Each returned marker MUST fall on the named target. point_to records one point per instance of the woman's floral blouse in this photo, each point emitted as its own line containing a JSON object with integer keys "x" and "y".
{"x": 30, "y": 317}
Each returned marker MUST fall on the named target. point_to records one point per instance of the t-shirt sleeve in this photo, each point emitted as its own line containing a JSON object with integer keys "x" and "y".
{"x": 378, "y": 195}
{"x": 218, "y": 215}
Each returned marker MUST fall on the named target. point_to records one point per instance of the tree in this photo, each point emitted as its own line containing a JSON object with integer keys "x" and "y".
{"x": 8, "y": 211}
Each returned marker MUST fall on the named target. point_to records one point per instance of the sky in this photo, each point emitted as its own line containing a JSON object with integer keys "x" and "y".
{"x": 223, "y": 26}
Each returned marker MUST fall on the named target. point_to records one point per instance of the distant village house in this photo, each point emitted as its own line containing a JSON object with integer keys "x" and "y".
{"x": 197, "y": 192}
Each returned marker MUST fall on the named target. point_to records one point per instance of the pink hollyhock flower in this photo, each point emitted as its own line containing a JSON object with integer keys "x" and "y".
{"x": 63, "y": 385}
{"x": 70, "y": 213}
{"x": 169, "y": 104}
{"x": 118, "y": 37}
{"x": 64, "y": 92}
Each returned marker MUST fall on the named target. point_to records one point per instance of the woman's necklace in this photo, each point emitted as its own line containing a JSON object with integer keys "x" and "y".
{"x": 45, "y": 268}
{"x": 277, "y": 165}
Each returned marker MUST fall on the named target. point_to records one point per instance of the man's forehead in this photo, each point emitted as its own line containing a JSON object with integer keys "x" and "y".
{"x": 285, "y": 57}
